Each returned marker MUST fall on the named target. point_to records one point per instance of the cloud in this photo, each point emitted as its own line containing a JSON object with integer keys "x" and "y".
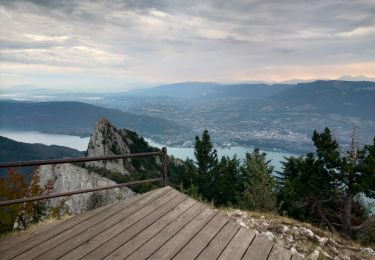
{"x": 185, "y": 40}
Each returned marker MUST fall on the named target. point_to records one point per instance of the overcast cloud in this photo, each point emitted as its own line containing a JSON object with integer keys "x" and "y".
{"x": 121, "y": 44}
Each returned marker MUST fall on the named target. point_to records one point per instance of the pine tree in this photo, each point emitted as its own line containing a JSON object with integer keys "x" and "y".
{"x": 206, "y": 160}
{"x": 260, "y": 193}
{"x": 322, "y": 187}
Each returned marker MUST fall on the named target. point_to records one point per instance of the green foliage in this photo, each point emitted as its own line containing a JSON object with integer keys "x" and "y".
{"x": 96, "y": 200}
{"x": 321, "y": 188}
{"x": 223, "y": 182}
{"x": 259, "y": 194}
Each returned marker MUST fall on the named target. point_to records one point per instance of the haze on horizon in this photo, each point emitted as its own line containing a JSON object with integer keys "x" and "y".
{"x": 92, "y": 45}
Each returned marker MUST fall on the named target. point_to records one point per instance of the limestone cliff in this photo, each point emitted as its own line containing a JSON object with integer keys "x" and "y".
{"x": 68, "y": 177}
{"x": 105, "y": 139}
{"x": 108, "y": 140}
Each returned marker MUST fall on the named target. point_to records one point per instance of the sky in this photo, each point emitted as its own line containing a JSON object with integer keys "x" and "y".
{"x": 105, "y": 45}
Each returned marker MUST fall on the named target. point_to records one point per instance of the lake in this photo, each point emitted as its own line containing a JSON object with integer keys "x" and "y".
{"x": 71, "y": 141}
{"x": 240, "y": 151}
{"x": 179, "y": 152}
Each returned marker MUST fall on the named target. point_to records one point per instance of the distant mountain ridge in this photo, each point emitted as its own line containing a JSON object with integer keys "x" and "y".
{"x": 182, "y": 89}
{"x": 75, "y": 118}
{"x": 11, "y": 150}
{"x": 334, "y": 96}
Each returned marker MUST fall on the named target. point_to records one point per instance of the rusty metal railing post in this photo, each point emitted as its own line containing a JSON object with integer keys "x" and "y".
{"x": 165, "y": 166}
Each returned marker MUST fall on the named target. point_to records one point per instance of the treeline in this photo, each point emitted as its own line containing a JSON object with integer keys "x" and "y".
{"x": 325, "y": 188}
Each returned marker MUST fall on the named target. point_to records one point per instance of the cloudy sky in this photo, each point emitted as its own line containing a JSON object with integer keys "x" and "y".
{"x": 76, "y": 44}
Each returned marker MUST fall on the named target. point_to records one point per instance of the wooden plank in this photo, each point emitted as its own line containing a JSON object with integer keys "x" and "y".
{"x": 39, "y": 248}
{"x": 15, "y": 244}
{"x": 259, "y": 248}
{"x": 178, "y": 241}
{"x": 279, "y": 253}
{"x": 21, "y": 236}
{"x": 108, "y": 241}
{"x": 238, "y": 245}
{"x": 220, "y": 241}
{"x": 133, "y": 211}
{"x": 140, "y": 239}
{"x": 201, "y": 240}
{"x": 164, "y": 235}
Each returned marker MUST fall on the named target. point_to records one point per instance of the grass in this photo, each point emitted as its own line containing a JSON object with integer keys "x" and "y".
{"x": 36, "y": 228}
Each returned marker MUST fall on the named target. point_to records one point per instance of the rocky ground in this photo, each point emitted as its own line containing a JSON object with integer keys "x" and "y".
{"x": 310, "y": 242}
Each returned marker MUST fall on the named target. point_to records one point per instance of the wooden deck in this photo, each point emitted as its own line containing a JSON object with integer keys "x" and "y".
{"x": 161, "y": 224}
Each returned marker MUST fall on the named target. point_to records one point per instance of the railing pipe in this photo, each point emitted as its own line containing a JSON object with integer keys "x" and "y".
{"x": 75, "y": 160}
{"x": 164, "y": 179}
{"x": 69, "y": 193}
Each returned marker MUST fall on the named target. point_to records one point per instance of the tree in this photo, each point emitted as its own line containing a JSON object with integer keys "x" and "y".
{"x": 206, "y": 161}
{"x": 260, "y": 185}
{"x": 24, "y": 214}
{"x": 227, "y": 184}
{"x": 323, "y": 187}
{"x": 208, "y": 178}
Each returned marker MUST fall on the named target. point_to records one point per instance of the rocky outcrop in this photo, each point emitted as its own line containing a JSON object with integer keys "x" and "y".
{"x": 68, "y": 177}
{"x": 301, "y": 238}
{"x": 108, "y": 140}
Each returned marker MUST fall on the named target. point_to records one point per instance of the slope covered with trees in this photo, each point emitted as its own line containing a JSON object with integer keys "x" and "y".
{"x": 324, "y": 188}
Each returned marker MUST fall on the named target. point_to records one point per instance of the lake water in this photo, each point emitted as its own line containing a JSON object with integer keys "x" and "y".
{"x": 71, "y": 141}
{"x": 183, "y": 152}
{"x": 179, "y": 152}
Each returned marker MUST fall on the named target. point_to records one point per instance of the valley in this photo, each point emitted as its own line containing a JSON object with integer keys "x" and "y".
{"x": 270, "y": 116}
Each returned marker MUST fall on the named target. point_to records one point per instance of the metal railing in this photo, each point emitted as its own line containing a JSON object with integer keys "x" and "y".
{"x": 163, "y": 178}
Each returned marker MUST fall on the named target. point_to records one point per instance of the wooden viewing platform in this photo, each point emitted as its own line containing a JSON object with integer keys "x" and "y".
{"x": 161, "y": 224}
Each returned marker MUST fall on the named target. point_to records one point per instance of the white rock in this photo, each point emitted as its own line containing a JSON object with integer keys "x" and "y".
{"x": 265, "y": 224}
{"x": 294, "y": 251}
{"x": 368, "y": 250}
{"x": 284, "y": 229}
{"x": 307, "y": 232}
{"x": 290, "y": 239}
{"x": 68, "y": 177}
{"x": 322, "y": 240}
{"x": 104, "y": 140}
{"x": 269, "y": 235}
{"x": 314, "y": 255}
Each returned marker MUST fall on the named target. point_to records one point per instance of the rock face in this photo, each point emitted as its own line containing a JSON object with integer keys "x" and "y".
{"x": 68, "y": 177}
{"x": 108, "y": 140}
{"x": 105, "y": 140}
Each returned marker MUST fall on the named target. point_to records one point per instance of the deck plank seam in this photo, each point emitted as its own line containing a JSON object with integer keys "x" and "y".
{"x": 49, "y": 229}
{"x": 269, "y": 253}
{"x": 163, "y": 227}
{"x": 238, "y": 229}
{"x": 41, "y": 242}
{"x": 177, "y": 194}
{"x": 178, "y": 230}
{"x": 176, "y": 233}
{"x": 244, "y": 253}
{"x": 108, "y": 217}
{"x": 213, "y": 215}
{"x": 214, "y": 238}
{"x": 126, "y": 205}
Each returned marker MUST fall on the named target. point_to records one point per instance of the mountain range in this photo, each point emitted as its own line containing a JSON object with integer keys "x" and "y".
{"x": 75, "y": 118}
{"x": 267, "y": 115}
